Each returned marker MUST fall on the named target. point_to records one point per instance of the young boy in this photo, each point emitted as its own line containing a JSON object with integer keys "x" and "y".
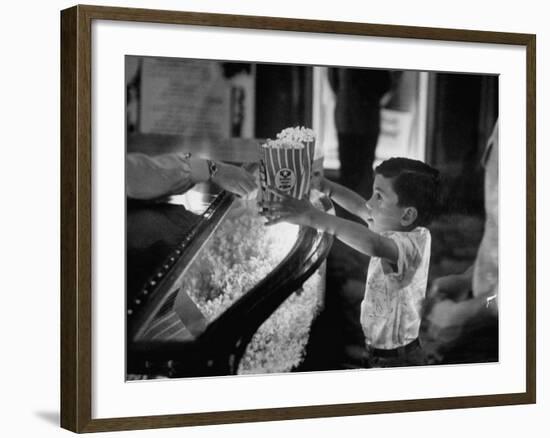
{"x": 404, "y": 200}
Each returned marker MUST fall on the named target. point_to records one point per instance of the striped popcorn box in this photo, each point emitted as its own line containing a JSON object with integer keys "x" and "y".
{"x": 306, "y": 136}
{"x": 284, "y": 166}
{"x": 310, "y": 153}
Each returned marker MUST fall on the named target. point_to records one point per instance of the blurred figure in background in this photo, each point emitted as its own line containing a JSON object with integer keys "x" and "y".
{"x": 358, "y": 93}
{"x": 461, "y": 316}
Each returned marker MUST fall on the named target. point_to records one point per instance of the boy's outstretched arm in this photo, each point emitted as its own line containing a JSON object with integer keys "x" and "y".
{"x": 358, "y": 236}
{"x": 345, "y": 198}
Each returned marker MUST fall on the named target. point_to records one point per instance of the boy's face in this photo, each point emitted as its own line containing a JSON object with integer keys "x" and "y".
{"x": 385, "y": 214}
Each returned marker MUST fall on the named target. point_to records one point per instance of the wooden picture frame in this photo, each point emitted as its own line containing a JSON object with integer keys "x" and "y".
{"x": 76, "y": 217}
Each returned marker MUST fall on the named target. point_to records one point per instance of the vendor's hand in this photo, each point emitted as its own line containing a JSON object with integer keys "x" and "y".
{"x": 235, "y": 180}
{"x": 287, "y": 209}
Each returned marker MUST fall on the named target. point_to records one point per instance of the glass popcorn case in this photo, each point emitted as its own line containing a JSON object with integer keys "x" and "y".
{"x": 213, "y": 291}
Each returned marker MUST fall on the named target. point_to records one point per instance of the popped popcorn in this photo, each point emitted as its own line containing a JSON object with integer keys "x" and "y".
{"x": 298, "y": 133}
{"x": 283, "y": 144}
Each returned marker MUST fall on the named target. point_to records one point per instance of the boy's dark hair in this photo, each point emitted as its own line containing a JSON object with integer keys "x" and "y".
{"x": 416, "y": 185}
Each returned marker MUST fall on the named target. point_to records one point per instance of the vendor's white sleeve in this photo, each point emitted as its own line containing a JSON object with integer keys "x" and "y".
{"x": 150, "y": 177}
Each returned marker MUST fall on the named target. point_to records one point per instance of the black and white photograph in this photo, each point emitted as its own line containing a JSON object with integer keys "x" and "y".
{"x": 275, "y": 219}
{"x": 288, "y": 218}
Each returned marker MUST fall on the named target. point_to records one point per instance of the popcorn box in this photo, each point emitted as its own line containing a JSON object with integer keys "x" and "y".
{"x": 283, "y": 166}
{"x": 305, "y": 136}
{"x": 286, "y": 163}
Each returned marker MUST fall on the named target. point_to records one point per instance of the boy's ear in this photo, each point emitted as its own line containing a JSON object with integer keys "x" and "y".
{"x": 410, "y": 214}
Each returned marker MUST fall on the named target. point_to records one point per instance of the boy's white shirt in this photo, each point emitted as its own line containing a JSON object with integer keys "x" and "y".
{"x": 391, "y": 307}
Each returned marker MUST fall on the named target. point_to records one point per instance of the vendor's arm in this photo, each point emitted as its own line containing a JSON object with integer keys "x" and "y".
{"x": 358, "y": 236}
{"x": 152, "y": 177}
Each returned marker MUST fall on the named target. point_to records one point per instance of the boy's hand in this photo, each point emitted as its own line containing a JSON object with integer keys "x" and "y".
{"x": 287, "y": 209}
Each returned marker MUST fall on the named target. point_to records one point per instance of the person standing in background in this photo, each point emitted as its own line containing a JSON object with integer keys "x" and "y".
{"x": 461, "y": 314}
{"x": 358, "y": 93}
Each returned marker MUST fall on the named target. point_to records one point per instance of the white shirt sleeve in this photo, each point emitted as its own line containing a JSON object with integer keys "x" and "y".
{"x": 150, "y": 177}
{"x": 410, "y": 247}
